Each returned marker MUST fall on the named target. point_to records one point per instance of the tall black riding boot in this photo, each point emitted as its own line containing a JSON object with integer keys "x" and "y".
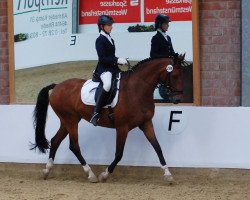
{"x": 100, "y": 102}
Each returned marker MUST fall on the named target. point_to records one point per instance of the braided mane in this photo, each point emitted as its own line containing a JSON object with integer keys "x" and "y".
{"x": 141, "y": 62}
{"x": 138, "y": 65}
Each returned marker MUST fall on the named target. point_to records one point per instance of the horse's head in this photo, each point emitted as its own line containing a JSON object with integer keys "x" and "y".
{"x": 171, "y": 80}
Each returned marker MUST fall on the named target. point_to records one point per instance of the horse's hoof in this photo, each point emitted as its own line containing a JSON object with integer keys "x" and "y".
{"x": 169, "y": 179}
{"x": 93, "y": 179}
{"x": 45, "y": 173}
{"x": 103, "y": 177}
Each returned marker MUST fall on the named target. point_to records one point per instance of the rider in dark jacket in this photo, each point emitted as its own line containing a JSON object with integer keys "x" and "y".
{"x": 107, "y": 63}
{"x": 161, "y": 44}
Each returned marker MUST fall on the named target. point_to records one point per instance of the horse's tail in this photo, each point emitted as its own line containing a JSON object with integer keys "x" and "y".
{"x": 40, "y": 115}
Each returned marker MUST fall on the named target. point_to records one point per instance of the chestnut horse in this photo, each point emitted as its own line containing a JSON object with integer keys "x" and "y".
{"x": 135, "y": 108}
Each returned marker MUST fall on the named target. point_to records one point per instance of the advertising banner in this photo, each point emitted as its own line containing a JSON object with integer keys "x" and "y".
{"x": 177, "y": 10}
{"x": 40, "y": 19}
{"x": 124, "y": 11}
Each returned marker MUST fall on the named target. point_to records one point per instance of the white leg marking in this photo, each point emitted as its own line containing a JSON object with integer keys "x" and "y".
{"x": 104, "y": 176}
{"x": 49, "y": 166}
{"x": 91, "y": 176}
{"x": 167, "y": 175}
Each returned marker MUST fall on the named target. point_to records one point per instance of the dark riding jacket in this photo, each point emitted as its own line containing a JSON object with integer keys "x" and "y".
{"x": 107, "y": 61}
{"x": 160, "y": 47}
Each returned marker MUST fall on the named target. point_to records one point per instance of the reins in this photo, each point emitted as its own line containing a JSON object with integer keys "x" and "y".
{"x": 130, "y": 67}
{"x": 130, "y": 70}
{"x": 167, "y": 83}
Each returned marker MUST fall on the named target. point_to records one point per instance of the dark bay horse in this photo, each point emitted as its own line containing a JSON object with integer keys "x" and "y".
{"x": 135, "y": 108}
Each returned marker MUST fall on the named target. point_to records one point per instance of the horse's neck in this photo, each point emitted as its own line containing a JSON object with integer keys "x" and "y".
{"x": 146, "y": 78}
{"x": 149, "y": 74}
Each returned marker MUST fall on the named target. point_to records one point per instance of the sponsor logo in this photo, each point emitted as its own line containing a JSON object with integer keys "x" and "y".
{"x": 25, "y": 6}
{"x": 134, "y": 2}
{"x": 178, "y": 1}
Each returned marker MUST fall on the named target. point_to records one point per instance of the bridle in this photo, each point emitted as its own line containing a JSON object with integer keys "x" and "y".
{"x": 166, "y": 83}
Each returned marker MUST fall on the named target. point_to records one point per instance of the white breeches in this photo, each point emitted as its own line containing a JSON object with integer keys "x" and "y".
{"x": 106, "y": 78}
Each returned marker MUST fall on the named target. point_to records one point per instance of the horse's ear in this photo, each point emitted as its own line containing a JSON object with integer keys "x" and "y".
{"x": 179, "y": 58}
{"x": 182, "y": 56}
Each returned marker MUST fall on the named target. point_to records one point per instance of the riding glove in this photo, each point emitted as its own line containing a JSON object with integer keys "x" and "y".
{"x": 122, "y": 61}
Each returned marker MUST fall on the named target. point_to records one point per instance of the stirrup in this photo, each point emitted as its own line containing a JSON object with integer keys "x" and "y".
{"x": 94, "y": 119}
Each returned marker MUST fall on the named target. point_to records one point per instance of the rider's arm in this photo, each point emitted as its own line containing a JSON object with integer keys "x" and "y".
{"x": 155, "y": 47}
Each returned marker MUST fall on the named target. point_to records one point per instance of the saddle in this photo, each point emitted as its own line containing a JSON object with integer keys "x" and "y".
{"x": 113, "y": 89}
{"x": 92, "y": 87}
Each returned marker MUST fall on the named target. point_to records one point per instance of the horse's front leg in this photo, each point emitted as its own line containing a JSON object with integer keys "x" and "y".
{"x": 121, "y": 136}
{"x": 148, "y": 130}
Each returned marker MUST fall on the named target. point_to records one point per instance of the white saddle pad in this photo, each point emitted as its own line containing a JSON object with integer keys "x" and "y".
{"x": 88, "y": 93}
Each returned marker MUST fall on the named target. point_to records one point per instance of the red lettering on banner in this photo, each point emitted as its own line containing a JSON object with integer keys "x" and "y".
{"x": 177, "y": 10}
{"x": 123, "y": 11}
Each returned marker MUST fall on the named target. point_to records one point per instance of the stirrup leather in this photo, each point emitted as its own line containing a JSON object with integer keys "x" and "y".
{"x": 94, "y": 119}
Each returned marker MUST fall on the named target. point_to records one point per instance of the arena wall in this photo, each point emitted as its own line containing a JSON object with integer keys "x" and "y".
{"x": 214, "y": 137}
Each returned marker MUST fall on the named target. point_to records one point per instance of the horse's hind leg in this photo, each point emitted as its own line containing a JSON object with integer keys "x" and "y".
{"x": 55, "y": 142}
{"x": 148, "y": 130}
{"x": 75, "y": 148}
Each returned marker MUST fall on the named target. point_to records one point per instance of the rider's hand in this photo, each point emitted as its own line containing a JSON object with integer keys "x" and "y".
{"x": 122, "y": 61}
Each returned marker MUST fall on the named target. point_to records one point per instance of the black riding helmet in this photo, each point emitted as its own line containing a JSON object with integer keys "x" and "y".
{"x": 104, "y": 20}
{"x": 160, "y": 19}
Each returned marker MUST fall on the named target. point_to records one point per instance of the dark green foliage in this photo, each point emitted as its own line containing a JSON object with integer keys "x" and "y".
{"x": 141, "y": 28}
{"x": 20, "y": 37}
